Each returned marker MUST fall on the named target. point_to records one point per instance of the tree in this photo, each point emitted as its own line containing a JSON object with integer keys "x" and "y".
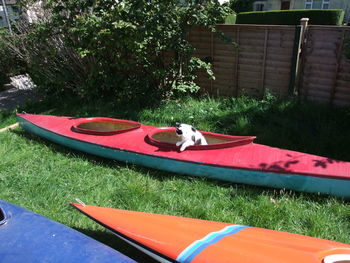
{"x": 241, "y": 5}
{"x": 125, "y": 48}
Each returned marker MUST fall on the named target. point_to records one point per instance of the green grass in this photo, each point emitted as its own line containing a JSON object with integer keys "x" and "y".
{"x": 45, "y": 177}
{"x": 7, "y": 118}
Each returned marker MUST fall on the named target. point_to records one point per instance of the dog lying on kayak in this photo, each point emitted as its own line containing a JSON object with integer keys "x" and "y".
{"x": 189, "y": 136}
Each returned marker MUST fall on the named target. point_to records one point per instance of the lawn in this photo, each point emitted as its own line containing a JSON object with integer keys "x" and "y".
{"x": 45, "y": 177}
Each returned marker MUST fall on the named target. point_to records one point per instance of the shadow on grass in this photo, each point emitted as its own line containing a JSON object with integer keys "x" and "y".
{"x": 5, "y": 115}
{"x": 116, "y": 243}
{"x": 104, "y": 162}
{"x": 294, "y": 125}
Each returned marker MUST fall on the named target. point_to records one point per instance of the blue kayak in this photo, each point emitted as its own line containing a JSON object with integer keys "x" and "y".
{"x": 29, "y": 237}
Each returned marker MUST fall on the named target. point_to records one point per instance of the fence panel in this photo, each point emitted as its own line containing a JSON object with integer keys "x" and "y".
{"x": 266, "y": 58}
{"x": 262, "y": 60}
{"x": 201, "y": 39}
{"x": 326, "y": 71}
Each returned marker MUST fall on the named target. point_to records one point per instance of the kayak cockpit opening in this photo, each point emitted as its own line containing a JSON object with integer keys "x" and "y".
{"x": 337, "y": 258}
{"x": 104, "y": 126}
{"x": 3, "y": 217}
{"x": 335, "y": 255}
{"x": 166, "y": 137}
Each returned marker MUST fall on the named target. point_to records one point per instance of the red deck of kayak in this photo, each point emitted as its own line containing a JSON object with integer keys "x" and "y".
{"x": 249, "y": 156}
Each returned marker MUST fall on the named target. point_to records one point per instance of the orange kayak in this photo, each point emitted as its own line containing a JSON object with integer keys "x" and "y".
{"x": 179, "y": 239}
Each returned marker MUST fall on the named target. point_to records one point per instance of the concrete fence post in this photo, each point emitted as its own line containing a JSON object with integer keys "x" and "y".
{"x": 304, "y": 22}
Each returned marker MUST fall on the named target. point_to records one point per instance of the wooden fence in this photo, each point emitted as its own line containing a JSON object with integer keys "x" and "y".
{"x": 267, "y": 58}
{"x": 262, "y": 60}
{"x": 325, "y": 73}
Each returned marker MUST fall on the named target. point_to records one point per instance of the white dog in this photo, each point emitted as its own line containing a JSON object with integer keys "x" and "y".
{"x": 189, "y": 136}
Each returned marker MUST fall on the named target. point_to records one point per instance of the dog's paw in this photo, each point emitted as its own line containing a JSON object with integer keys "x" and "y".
{"x": 178, "y": 143}
{"x": 186, "y": 144}
{"x": 183, "y": 147}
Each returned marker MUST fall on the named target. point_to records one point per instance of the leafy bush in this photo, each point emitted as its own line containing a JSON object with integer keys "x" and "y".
{"x": 10, "y": 63}
{"x": 231, "y": 19}
{"x": 125, "y": 49}
{"x": 292, "y": 17}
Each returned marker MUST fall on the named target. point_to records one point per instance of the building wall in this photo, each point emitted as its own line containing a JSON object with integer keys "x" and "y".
{"x": 10, "y": 2}
{"x": 333, "y": 4}
{"x": 276, "y": 4}
{"x": 300, "y": 4}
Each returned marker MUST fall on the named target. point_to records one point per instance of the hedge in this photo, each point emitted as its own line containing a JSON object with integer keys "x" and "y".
{"x": 231, "y": 19}
{"x": 292, "y": 17}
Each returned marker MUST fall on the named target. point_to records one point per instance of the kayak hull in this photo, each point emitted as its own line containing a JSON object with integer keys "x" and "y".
{"x": 29, "y": 237}
{"x": 179, "y": 239}
{"x": 336, "y": 184}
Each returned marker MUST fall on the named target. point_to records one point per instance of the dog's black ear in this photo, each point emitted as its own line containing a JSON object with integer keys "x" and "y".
{"x": 193, "y": 129}
{"x": 177, "y": 124}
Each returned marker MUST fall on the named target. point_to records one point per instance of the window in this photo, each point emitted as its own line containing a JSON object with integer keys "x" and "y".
{"x": 259, "y": 6}
{"x": 308, "y": 4}
{"x": 1, "y": 8}
{"x": 325, "y": 4}
{"x": 317, "y": 4}
{"x": 285, "y": 5}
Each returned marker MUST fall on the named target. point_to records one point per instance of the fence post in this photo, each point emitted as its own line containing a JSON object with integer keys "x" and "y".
{"x": 212, "y": 57}
{"x": 264, "y": 63}
{"x": 304, "y": 22}
{"x": 236, "y": 92}
{"x": 337, "y": 66}
{"x": 301, "y": 53}
{"x": 295, "y": 60}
